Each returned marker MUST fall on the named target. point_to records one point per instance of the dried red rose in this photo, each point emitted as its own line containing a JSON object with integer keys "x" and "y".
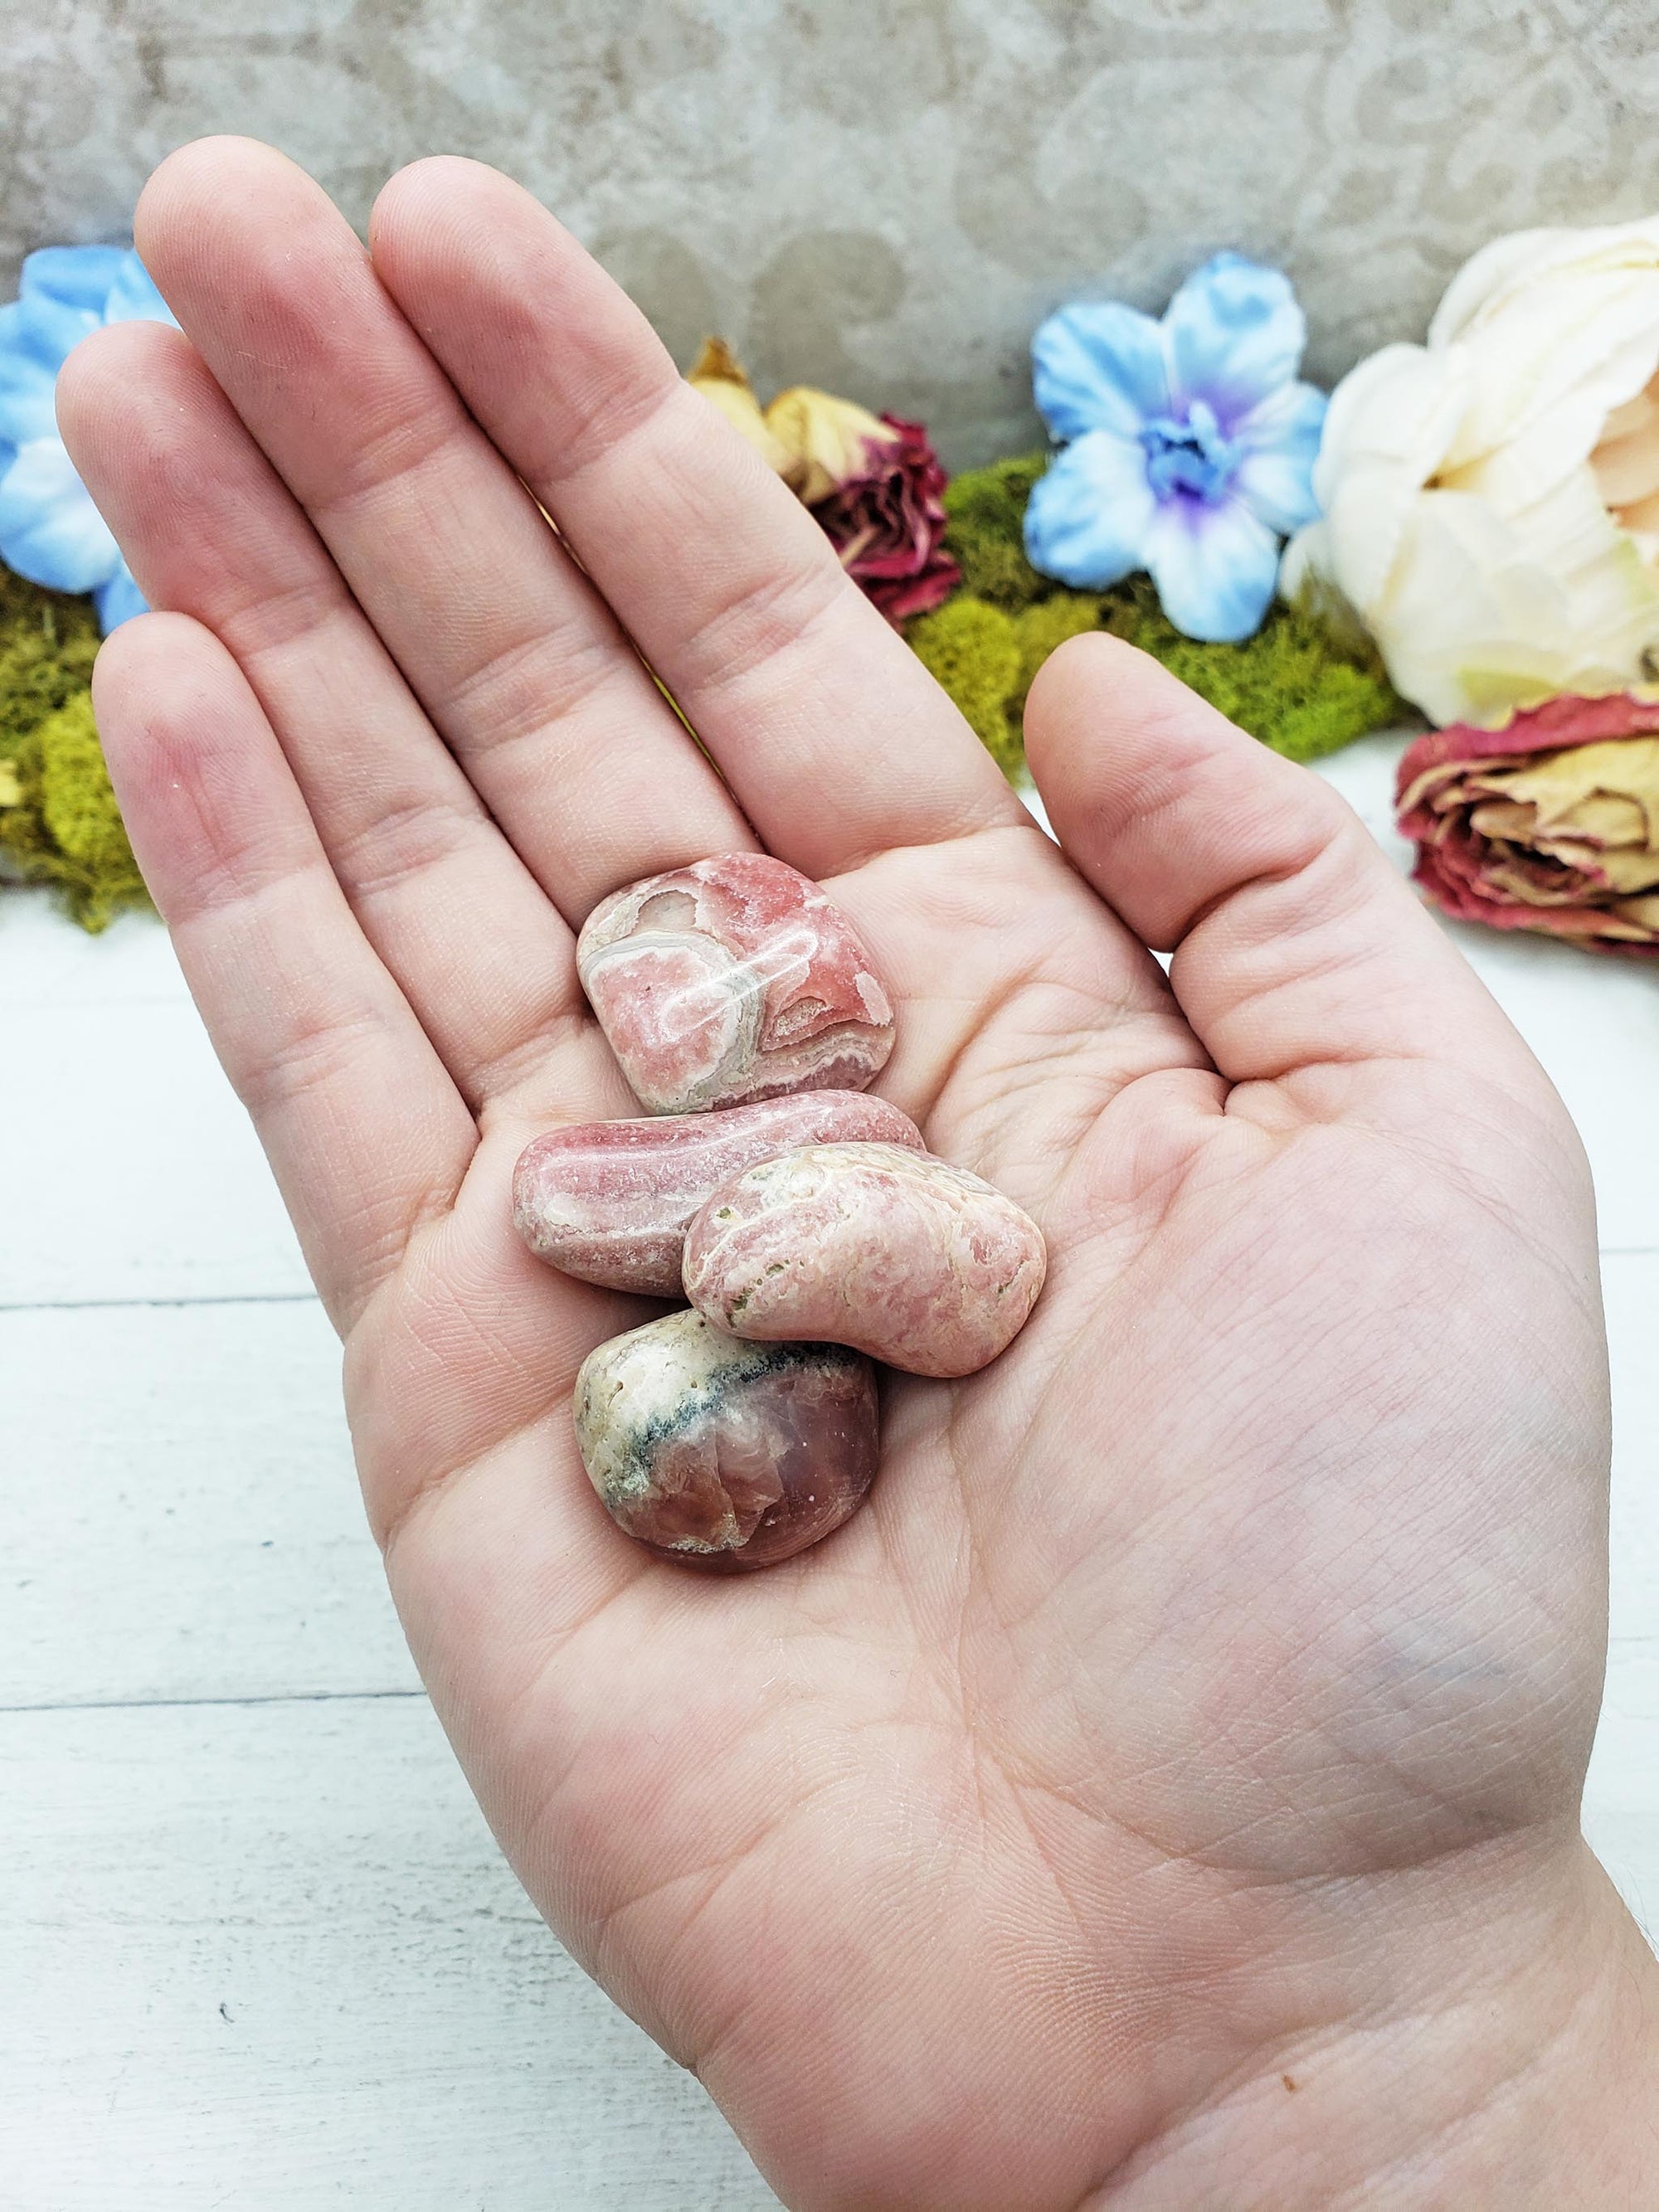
{"x": 887, "y": 523}
{"x": 873, "y": 481}
{"x": 1550, "y": 823}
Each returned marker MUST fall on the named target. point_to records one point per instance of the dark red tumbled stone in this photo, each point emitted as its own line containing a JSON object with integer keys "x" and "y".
{"x": 716, "y": 1453}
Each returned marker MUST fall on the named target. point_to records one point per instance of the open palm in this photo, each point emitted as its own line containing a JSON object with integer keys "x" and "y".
{"x": 977, "y": 1854}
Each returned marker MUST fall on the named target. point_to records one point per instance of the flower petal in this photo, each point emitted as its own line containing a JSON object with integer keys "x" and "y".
{"x": 1089, "y": 512}
{"x": 1564, "y": 328}
{"x": 1490, "y": 279}
{"x": 65, "y": 291}
{"x": 1612, "y": 594}
{"x": 1305, "y": 566}
{"x": 75, "y": 275}
{"x": 1098, "y": 365}
{"x": 1464, "y": 515}
{"x": 119, "y": 600}
{"x": 1234, "y": 333}
{"x": 133, "y": 297}
{"x": 1390, "y": 424}
{"x": 1550, "y": 368}
{"x": 45, "y": 331}
{"x": 1215, "y": 565}
{"x": 1475, "y": 624}
{"x": 1278, "y": 443}
{"x": 888, "y": 524}
{"x": 826, "y": 439}
{"x": 49, "y": 530}
{"x": 1549, "y": 821}
{"x": 719, "y": 375}
{"x": 26, "y": 383}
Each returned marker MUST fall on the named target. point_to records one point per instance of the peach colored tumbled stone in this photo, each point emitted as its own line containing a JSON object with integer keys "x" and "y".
{"x": 731, "y": 980}
{"x": 610, "y": 1202}
{"x": 720, "y": 1454}
{"x": 916, "y": 1262}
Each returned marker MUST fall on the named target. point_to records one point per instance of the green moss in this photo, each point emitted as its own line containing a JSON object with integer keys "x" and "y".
{"x": 973, "y": 648}
{"x": 1292, "y": 685}
{"x": 985, "y": 531}
{"x": 1047, "y": 626}
{"x": 47, "y": 646}
{"x": 59, "y": 820}
{"x": 1298, "y": 684}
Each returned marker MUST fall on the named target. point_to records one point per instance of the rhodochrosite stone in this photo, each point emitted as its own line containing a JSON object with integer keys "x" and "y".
{"x": 720, "y": 1454}
{"x": 916, "y": 1262}
{"x": 731, "y": 980}
{"x": 610, "y": 1202}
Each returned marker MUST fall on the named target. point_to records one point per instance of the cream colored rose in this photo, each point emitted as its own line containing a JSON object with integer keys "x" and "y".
{"x": 1491, "y": 499}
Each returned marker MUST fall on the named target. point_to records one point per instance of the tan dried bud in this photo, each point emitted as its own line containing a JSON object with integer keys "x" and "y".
{"x": 827, "y": 439}
{"x": 719, "y": 375}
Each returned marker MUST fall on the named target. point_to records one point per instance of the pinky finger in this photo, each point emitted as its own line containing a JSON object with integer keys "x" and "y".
{"x": 366, "y": 1133}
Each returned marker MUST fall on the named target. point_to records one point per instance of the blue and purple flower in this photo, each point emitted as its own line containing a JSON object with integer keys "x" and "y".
{"x": 49, "y": 530}
{"x": 1190, "y": 445}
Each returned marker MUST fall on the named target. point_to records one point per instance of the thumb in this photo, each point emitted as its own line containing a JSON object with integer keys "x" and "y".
{"x": 1294, "y": 941}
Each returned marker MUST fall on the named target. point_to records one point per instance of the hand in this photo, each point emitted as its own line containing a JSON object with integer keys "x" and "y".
{"x": 1196, "y": 1713}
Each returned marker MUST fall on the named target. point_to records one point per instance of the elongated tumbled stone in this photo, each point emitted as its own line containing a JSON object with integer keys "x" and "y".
{"x": 721, "y": 1454}
{"x": 731, "y": 980}
{"x": 916, "y": 1262}
{"x": 610, "y": 1202}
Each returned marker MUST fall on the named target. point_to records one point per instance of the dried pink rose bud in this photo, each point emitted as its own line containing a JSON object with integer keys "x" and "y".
{"x": 731, "y": 980}
{"x": 1549, "y": 822}
{"x": 887, "y": 521}
{"x": 873, "y": 481}
{"x": 916, "y": 1262}
{"x": 724, "y": 1454}
{"x": 610, "y": 1202}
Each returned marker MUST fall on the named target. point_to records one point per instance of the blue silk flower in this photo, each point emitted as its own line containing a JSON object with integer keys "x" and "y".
{"x": 49, "y": 530}
{"x": 1190, "y": 445}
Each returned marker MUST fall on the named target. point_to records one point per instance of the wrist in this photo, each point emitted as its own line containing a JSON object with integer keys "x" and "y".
{"x": 1496, "y": 2042}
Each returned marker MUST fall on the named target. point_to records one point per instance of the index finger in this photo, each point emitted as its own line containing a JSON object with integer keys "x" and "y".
{"x": 836, "y": 741}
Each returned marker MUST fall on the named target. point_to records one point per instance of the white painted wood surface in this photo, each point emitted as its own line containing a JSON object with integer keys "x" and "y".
{"x": 257, "y": 1947}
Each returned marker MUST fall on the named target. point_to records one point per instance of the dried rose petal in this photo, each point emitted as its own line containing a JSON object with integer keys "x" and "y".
{"x": 829, "y": 441}
{"x": 719, "y": 375}
{"x": 887, "y": 522}
{"x": 1549, "y": 823}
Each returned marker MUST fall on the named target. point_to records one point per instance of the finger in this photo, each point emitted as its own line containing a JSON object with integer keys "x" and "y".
{"x": 211, "y": 532}
{"x": 367, "y": 1134}
{"x": 516, "y": 659}
{"x": 1295, "y": 943}
{"x": 836, "y": 740}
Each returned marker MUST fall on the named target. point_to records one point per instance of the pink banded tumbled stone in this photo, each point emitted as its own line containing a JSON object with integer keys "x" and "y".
{"x": 610, "y": 1202}
{"x": 731, "y": 980}
{"x": 721, "y": 1454}
{"x": 916, "y": 1262}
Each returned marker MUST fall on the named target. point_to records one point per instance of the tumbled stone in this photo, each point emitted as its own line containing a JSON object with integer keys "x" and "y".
{"x": 610, "y": 1202}
{"x": 720, "y": 1454}
{"x": 916, "y": 1262}
{"x": 731, "y": 980}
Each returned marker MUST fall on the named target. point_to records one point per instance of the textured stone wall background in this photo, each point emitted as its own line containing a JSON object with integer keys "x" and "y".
{"x": 884, "y": 195}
